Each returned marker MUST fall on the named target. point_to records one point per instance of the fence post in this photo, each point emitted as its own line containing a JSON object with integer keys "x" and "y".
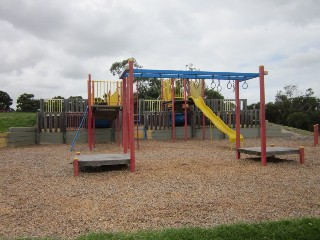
{"x": 301, "y": 154}
{"x": 315, "y": 134}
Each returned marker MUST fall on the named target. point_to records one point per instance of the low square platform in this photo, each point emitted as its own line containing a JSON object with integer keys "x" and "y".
{"x": 97, "y": 160}
{"x": 270, "y": 151}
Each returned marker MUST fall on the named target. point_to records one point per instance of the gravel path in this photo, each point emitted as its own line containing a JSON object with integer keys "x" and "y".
{"x": 182, "y": 184}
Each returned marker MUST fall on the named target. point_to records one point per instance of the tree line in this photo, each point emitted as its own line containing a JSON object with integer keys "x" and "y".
{"x": 293, "y": 107}
{"x": 25, "y": 102}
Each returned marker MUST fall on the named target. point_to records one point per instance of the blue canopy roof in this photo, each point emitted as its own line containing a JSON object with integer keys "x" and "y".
{"x": 150, "y": 73}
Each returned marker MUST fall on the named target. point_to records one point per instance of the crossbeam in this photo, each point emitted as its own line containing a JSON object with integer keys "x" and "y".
{"x": 151, "y": 73}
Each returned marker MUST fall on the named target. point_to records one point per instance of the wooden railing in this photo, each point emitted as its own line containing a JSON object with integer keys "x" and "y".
{"x": 213, "y": 104}
{"x": 162, "y": 120}
{"x": 63, "y": 105}
{"x": 59, "y": 122}
{"x": 50, "y": 122}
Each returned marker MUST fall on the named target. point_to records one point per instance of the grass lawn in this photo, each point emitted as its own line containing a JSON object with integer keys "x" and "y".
{"x": 306, "y": 228}
{"x": 16, "y": 119}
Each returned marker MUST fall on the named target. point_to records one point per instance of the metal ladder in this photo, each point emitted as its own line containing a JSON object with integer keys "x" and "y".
{"x": 79, "y": 128}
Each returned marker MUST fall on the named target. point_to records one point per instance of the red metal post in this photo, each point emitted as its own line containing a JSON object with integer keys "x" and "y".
{"x": 203, "y": 117}
{"x": 131, "y": 122}
{"x": 89, "y": 113}
{"x": 185, "y": 110}
{"x": 75, "y": 167}
{"x": 301, "y": 153}
{"x": 315, "y": 134}
{"x": 128, "y": 114}
{"x": 138, "y": 115}
{"x": 263, "y": 136}
{"x": 173, "y": 123}
{"x": 237, "y": 96}
{"x": 124, "y": 116}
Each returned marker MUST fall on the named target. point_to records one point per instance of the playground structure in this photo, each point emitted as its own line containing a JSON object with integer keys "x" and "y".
{"x": 188, "y": 92}
{"x": 105, "y": 101}
{"x": 182, "y": 93}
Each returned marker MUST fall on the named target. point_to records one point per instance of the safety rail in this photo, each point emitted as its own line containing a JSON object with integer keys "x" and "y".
{"x": 51, "y": 105}
{"x": 106, "y": 92}
{"x": 151, "y": 105}
{"x": 156, "y": 120}
{"x": 63, "y": 105}
{"x": 162, "y": 119}
{"x": 213, "y": 104}
{"x": 248, "y": 118}
{"x": 73, "y": 121}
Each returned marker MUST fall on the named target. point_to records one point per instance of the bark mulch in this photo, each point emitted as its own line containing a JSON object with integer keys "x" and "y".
{"x": 194, "y": 183}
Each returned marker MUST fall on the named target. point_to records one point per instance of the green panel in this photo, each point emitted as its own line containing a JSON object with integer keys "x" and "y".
{"x": 51, "y": 138}
{"x": 82, "y": 137}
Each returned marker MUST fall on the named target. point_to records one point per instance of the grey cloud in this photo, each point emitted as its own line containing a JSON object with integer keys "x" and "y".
{"x": 48, "y": 47}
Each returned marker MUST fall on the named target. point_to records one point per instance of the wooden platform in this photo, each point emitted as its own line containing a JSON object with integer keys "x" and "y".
{"x": 270, "y": 151}
{"x": 96, "y": 160}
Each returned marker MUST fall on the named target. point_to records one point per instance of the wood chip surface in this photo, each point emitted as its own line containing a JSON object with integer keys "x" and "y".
{"x": 193, "y": 183}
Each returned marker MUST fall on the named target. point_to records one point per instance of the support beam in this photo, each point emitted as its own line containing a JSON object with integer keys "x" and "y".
{"x": 124, "y": 116}
{"x": 131, "y": 117}
{"x": 237, "y": 97}
{"x": 203, "y": 117}
{"x": 89, "y": 113}
{"x": 173, "y": 123}
{"x": 185, "y": 110}
{"x": 263, "y": 136}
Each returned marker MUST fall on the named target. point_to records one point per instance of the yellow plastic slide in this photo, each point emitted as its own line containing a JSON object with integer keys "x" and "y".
{"x": 215, "y": 119}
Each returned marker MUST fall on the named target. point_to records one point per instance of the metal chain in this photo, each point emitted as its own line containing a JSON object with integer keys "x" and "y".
{"x": 213, "y": 84}
{"x": 229, "y": 85}
{"x": 196, "y": 83}
{"x": 245, "y": 85}
{"x": 219, "y": 88}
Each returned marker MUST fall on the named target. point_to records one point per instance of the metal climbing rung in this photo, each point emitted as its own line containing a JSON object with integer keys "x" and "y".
{"x": 80, "y": 126}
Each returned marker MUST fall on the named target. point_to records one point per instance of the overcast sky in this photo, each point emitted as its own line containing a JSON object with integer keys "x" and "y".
{"x": 48, "y": 47}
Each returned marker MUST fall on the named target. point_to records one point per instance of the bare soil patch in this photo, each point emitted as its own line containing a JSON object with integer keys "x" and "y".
{"x": 194, "y": 183}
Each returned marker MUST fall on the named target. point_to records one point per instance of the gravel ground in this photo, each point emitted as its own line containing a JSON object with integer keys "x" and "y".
{"x": 194, "y": 183}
